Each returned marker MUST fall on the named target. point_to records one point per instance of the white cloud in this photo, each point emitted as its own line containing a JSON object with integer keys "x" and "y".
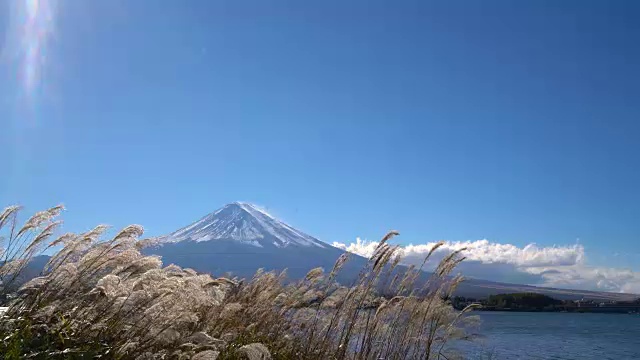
{"x": 553, "y": 266}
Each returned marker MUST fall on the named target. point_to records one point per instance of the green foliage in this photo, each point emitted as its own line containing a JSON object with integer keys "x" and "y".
{"x": 521, "y": 301}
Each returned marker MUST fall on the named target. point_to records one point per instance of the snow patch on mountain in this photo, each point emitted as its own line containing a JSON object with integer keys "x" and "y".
{"x": 246, "y": 223}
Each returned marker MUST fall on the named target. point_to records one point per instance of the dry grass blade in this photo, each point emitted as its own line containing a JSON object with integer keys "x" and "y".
{"x": 39, "y": 219}
{"x": 7, "y": 214}
{"x": 388, "y": 237}
{"x": 105, "y": 298}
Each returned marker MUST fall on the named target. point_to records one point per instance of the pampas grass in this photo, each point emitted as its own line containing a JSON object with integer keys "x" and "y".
{"x": 103, "y": 298}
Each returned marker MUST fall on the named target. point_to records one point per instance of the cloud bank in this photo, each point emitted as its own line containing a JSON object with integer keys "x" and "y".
{"x": 555, "y": 266}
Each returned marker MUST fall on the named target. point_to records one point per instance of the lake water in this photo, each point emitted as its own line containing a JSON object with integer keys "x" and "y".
{"x": 509, "y": 335}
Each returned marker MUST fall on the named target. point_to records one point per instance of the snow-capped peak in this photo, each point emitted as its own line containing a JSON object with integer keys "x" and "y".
{"x": 245, "y": 223}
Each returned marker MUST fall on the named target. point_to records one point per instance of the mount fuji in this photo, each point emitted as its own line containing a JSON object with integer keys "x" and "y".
{"x": 247, "y": 224}
{"x": 240, "y": 238}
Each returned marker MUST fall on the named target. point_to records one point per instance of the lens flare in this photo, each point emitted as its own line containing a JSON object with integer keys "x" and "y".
{"x": 37, "y": 31}
{"x": 28, "y": 36}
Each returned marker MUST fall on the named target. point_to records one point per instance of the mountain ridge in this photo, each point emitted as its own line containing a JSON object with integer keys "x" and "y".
{"x": 246, "y": 223}
{"x": 240, "y": 238}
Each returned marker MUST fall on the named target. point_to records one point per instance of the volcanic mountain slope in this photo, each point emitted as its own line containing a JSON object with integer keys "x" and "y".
{"x": 240, "y": 238}
{"x": 246, "y": 224}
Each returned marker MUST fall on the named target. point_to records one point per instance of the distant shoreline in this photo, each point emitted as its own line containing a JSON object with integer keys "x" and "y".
{"x": 533, "y": 302}
{"x": 582, "y": 310}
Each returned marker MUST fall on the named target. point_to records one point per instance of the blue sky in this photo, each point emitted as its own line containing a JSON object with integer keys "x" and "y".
{"x": 517, "y": 122}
